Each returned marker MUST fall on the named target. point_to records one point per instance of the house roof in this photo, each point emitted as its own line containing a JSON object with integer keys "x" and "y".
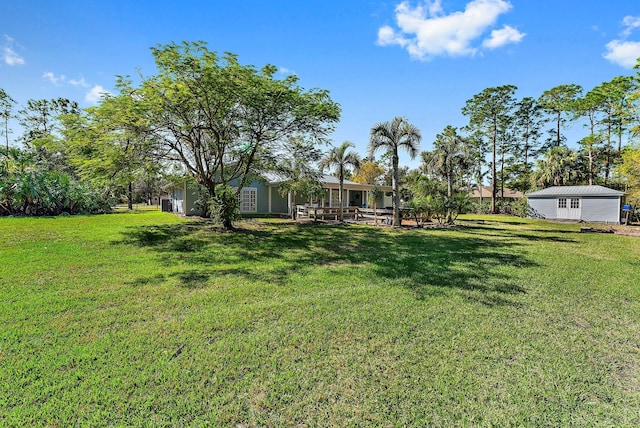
{"x": 486, "y": 193}
{"x": 593, "y": 190}
{"x": 329, "y": 181}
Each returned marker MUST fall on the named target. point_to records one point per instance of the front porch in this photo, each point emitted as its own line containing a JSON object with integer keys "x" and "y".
{"x": 354, "y": 195}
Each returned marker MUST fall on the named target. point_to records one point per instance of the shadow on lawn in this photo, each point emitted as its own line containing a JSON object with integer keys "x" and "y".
{"x": 427, "y": 262}
{"x": 536, "y": 235}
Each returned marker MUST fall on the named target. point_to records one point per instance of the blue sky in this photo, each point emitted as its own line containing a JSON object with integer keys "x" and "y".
{"x": 379, "y": 59}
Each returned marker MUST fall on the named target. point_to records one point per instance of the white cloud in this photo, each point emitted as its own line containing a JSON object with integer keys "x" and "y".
{"x": 630, "y": 23}
{"x": 425, "y": 31}
{"x": 622, "y": 51}
{"x": 9, "y": 55}
{"x": 435, "y": 7}
{"x": 95, "y": 94}
{"x": 52, "y": 77}
{"x": 285, "y": 71}
{"x": 79, "y": 82}
{"x": 502, "y": 37}
{"x": 12, "y": 58}
{"x": 388, "y": 36}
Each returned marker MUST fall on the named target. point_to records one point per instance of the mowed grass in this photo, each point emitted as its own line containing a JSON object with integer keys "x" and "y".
{"x": 147, "y": 319}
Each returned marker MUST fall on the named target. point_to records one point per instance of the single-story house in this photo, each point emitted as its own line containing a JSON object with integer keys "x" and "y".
{"x": 586, "y": 203}
{"x": 485, "y": 193}
{"x": 263, "y": 196}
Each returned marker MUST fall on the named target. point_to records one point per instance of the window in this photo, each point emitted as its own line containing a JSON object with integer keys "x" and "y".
{"x": 562, "y": 203}
{"x": 575, "y": 203}
{"x": 248, "y": 200}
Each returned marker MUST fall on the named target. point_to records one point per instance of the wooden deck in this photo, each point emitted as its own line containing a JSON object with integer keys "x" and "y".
{"x": 378, "y": 216}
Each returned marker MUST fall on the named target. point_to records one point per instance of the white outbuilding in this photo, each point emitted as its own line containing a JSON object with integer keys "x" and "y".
{"x": 586, "y": 203}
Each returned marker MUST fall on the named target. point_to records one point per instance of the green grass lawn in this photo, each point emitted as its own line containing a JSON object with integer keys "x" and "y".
{"x": 147, "y": 319}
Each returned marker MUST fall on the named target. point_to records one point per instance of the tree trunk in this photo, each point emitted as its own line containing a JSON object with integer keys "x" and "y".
{"x": 6, "y": 135}
{"x": 502, "y": 176}
{"x": 493, "y": 167}
{"x": 341, "y": 190}
{"x": 290, "y": 204}
{"x": 480, "y": 189}
{"x": 375, "y": 213}
{"x": 294, "y": 209}
{"x": 227, "y": 224}
{"x": 607, "y": 161}
{"x": 397, "y": 221}
{"x": 130, "y": 196}
{"x": 590, "y": 164}
{"x": 449, "y": 196}
{"x": 620, "y": 130}
{"x": 558, "y": 130}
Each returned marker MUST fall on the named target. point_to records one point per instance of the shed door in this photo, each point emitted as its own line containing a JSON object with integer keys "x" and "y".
{"x": 569, "y": 208}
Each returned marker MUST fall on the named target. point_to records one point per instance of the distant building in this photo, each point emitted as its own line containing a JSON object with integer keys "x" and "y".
{"x": 485, "y": 191}
{"x": 586, "y": 203}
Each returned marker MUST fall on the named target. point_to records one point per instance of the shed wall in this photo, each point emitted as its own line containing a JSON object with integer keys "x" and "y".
{"x": 596, "y": 209}
{"x": 605, "y": 209}
{"x": 544, "y": 207}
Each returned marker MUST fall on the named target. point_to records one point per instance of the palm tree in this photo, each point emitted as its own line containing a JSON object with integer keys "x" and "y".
{"x": 450, "y": 159}
{"x": 560, "y": 166}
{"x": 341, "y": 158}
{"x": 391, "y": 136}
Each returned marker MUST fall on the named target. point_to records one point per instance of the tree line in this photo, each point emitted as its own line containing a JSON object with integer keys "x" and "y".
{"x": 222, "y": 123}
{"x": 520, "y": 144}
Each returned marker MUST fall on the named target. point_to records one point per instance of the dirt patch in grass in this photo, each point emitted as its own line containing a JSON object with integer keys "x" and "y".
{"x": 627, "y": 230}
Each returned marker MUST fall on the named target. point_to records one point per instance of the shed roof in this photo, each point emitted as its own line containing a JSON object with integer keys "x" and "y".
{"x": 593, "y": 190}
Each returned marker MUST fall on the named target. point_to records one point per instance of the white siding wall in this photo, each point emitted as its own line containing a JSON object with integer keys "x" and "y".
{"x": 544, "y": 207}
{"x": 605, "y": 209}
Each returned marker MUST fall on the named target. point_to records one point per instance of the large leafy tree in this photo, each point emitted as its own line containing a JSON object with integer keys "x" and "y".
{"x": 589, "y": 107}
{"x": 527, "y": 130}
{"x": 528, "y": 124}
{"x": 559, "y": 103}
{"x": 340, "y": 159}
{"x": 112, "y": 145}
{"x": 487, "y": 112}
{"x": 615, "y": 96}
{"x": 450, "y": 159}
{"x": 369, "y": 173}
{"x": 40, "y": 120}
{"x": 629, "y": 169}
{"x": 299, "y": 172}
{"x": 392, "y": 136}
{"x": 619, "y": 95}
{"x": 506, "y": 148}
{"x": 223, "y": 121}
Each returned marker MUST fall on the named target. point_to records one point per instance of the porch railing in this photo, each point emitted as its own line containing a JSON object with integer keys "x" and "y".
{"x": 326, "y": 213}
{"x": 381, "y": 215}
